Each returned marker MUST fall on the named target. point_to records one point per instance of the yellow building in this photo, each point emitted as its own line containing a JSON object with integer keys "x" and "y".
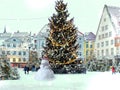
{"x": 89, "y": 44}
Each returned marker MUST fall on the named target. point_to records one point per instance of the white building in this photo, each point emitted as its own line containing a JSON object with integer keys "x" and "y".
{"x": 41, "y": 39}
{"x": 107, "y": 44}
{"x": 16, "y": 47}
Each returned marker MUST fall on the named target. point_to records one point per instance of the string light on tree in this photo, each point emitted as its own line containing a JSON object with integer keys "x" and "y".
{"x": 61, "y": 46}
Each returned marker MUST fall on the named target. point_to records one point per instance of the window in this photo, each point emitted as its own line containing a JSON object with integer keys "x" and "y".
{"x": 14, "y": 59}
{"x": 19, "y": 53}
{"x": 117, "y": 49}
{"x": 14, "y": 45}
{"x": 14, "y": 39}
{"x": 3, "y": 45}
{"x": 24, "y": 53}
{"x": 24, "y": 59}
{"x": 14, "y": 52}
{"x": 102, "y": 44}
{"x": 98, "y": 53}
{"x": 98, "y": 45}
{"x": 87, "y": 45}
{"x": 91, "y": 46}
{"x": 8, "y": 59}
{"x": 107, "y": 52}
{"x": 8, "y": 45}
{"x": 110, "y": 34}
{"x": 106, "y": 35}
{"x": 99, "y": 37}
{"x": 19, "y": 59}
{"x": 80, "y": 46}
{"x": 106, "y": 27}
{"x": 8, "y": 52}
{"x": 107, "y": 43}
{"x": 111, "y": 42}
{"x": 102, "y": 35}
{"x": 87, "y": 53}
{"x": 102, "y": 52}
{"x": 3, "y": 52}
{"x": 80, "y": 54}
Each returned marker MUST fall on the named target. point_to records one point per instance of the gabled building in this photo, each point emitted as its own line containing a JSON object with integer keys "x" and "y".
{"x": 107, "y": 44}
{"x": 89, "y": 45}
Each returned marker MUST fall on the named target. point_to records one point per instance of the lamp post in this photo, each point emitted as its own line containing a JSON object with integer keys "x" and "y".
{"x": 29, "y": 53}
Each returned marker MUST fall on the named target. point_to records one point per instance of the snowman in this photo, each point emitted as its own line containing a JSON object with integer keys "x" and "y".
{"x": 45, "y": 72}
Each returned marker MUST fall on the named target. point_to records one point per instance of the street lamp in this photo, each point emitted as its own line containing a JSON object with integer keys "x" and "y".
{"x": 29, "y": 52}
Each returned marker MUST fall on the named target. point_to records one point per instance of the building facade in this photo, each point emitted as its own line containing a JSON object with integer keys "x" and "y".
{"x": 41, "y": 39}
{"x": 107, "y": 44}
{"x": 16, "y": 48}
{"x": 89, "y": 46}
{"x": 80, "y": 41}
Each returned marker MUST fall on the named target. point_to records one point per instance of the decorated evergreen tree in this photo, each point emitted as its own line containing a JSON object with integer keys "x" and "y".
{"x": 6, "y": 71}
{"x": 33, "y": 62}
{"x": 61, "y": 46}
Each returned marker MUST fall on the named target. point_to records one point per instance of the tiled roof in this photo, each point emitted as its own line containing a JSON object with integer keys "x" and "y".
{"x": 90, "y": 36}
{"x": 20, "y": 34}
{"x": 80, "y": 33}
{"x": 115, "y": 11}
{"x": 115, "y": 16}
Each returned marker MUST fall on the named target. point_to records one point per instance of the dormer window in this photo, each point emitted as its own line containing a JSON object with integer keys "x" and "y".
{"x": 14, "y": 39}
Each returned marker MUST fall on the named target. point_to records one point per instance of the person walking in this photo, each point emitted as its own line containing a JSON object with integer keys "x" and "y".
{"x": 25, "y": 69}
{"x": 33, "y": 68}
{"x": 113, "y": 70}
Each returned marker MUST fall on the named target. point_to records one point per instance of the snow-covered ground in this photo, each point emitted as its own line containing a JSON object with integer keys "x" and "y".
{"x": 89, "y": 81}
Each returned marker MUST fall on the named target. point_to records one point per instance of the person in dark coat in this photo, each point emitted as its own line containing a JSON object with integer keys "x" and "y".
{"x": 25, "y": 69}
{"x": 33, "y": 68}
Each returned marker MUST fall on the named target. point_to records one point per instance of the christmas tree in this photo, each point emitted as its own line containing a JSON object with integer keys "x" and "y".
{"x": 33, "y": 62}
{"x": 7, "y": 72}
{"x": 61, "y": 46}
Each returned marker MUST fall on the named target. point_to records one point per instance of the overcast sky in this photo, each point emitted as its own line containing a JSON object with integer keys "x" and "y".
{"x": 32, "y": 15}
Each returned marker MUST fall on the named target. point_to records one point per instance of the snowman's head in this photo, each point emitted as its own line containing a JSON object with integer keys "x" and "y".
{"x": 44, "y": 62}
